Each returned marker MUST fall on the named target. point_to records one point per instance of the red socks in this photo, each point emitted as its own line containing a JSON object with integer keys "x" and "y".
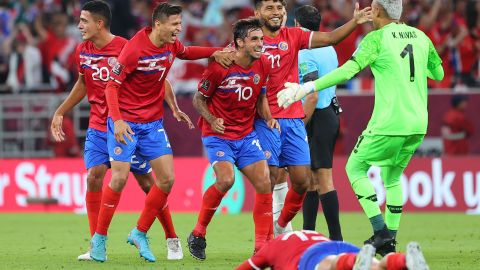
{"x": 293, "y": 203}
{"x": 346, "y": 261}
{"x": 166, "y": 219}
{"x": 396, "y": 261}
{"x": 108, "y": 205}
{"x": 211, "y": 200}
{"x": 92, "y": 201}
{"x": 262, "y": 217}
{"x": 154, "y": 203}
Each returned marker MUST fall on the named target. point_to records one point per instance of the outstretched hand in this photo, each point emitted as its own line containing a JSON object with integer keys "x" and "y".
{"x": 294, "y": 92}
{"x": 362, "y": 16}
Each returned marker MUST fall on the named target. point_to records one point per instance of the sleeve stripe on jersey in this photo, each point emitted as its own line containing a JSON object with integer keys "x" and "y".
{"x": 115, "y": 80}
{"x": 310, "y": 40}
{"x": 253, "y": 265}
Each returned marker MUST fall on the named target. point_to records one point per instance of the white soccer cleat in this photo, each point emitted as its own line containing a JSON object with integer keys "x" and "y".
{"x": 415, "y": 258}
{"x": 174, "y": 249}
{"x": 85, "y": 257}
{"x": 363, "y": 261}
{"x": 277, "y": 230}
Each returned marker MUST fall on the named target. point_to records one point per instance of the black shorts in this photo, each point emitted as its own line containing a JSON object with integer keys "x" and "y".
{"x": 322, "y": 131}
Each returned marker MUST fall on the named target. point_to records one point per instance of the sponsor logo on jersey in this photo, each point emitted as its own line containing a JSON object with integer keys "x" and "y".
{"x": 117, "y": 69}
{"x": 283, "y": 46}
{"x": 112, "y": 61}
{"x": 256, "y": 79}
{"x": 220, "y": 154}
{"x": 117, "y": 150}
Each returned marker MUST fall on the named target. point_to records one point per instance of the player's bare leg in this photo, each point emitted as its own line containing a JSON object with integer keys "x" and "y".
{"x": 174, "y": 247}
{"x": 300, "y": 178}
{"x": 95, "y": 176}
{"x": 154, "y": 203}
{"x": 258, "y": 175}
{"x": 110, "y": 199}
{"x": 211, "y": 200}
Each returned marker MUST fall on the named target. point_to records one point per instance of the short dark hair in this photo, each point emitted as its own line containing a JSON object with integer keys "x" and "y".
{"x": 457, "y": 99}
{"x": 165, "y": 10}
{"x": 308, "y": 17}
{"x": 99, "y": 8}
{"x": 258, "y": 3}
{"x": 244, "y": 26}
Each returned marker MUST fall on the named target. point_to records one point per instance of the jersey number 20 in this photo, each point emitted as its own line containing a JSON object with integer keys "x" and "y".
{"x": 409, "y": 50}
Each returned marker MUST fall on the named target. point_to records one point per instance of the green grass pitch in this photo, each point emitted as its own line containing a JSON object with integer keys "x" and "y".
{"x": 53, "y": 241}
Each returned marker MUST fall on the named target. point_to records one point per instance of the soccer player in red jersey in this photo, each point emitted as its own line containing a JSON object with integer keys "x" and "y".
{"x": 227, "y": 100}
{"x": 95, "y": 56}
{"x": 135, "y": 96}
{"x": 310, "y": 250}
{"x": 289, "y": 148}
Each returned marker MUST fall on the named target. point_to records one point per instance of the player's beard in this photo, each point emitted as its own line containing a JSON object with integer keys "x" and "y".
{"x": 271, "y": 28}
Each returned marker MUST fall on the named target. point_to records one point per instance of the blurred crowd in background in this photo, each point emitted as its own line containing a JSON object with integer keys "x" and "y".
{"x": 38, "y": 37}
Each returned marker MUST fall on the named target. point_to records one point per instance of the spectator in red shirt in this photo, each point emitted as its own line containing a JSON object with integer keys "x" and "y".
{"x": 457, "y": 128}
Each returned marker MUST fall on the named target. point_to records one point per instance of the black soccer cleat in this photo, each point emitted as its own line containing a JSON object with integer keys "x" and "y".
{"x": 383, "y": 242}
{"x": 196, "y": 246}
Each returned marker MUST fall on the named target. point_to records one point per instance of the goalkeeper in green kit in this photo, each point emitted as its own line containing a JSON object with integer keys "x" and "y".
{"x": 401, "y": 58}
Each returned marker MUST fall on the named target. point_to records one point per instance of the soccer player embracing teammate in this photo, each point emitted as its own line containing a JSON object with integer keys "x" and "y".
{"x": 135, "y": 97}
{"x": 228, "y": 100}
{"x": 95, "y": 57}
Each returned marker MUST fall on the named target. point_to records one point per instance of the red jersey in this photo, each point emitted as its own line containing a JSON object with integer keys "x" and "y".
{"x": 461, "y": 128}
{"x": 282, "y": 53}
{"x": 95, "y": 65}
{"x": 285, "y": 251}
{"x": 233, "y": 95}
{"x": 141, "y": 70}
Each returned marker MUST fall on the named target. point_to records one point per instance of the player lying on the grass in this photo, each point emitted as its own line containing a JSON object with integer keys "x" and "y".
{"x": 310, "y": 250}
{"x": 228, "y": 100}
{"x": 135, "y": 95}
{"x": 95, "y": 56}
{"x": 401, "y": 58}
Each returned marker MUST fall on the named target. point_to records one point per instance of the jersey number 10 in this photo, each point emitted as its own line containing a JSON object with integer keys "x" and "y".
{"x": 244, "y": 93}
{"x": 409, "y": 50}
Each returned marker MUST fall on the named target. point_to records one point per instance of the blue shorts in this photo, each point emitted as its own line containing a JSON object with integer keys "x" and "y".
{"x": 286, "y": 148}
{"x": 96, "y": 153}
{"x": 150, "y": 141}
{"x": 241, "y": 152}
{"x": 316, "y": 253}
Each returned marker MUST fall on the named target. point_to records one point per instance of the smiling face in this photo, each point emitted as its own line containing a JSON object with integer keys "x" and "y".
{"x": 88, "y": 25}
{"x": 272, "y": 14}
{"x": 252, "y": 44}
{"x": 169, "y": 28}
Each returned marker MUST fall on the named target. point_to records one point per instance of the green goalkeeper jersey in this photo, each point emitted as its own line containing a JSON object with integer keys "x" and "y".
{"x": 400, "y": 57}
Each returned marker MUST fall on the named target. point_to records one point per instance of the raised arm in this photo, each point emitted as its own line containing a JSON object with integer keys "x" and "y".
{"x": 322, "y": 39}
{"x": 78, "y": 92}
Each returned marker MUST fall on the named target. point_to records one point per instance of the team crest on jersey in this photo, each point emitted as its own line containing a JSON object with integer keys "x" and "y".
{"x": 117, "y": 150}
{"x": 220, "y": 154}
{"x": 170, "y": 58}
{"x": 256, "y": 79}
{"x": 268, "y": 154}
{"x": 283, "y": 46}
{"x": 205, "y": 84}
{"x": 112, "y": 61}
{"x": 117, "y": 69}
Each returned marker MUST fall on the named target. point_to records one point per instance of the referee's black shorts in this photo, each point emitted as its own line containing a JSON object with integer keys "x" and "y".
{"x": 322, "y": 131}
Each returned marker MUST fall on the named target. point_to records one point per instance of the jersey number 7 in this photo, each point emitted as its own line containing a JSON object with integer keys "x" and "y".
{"x": 409, "y": 50}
